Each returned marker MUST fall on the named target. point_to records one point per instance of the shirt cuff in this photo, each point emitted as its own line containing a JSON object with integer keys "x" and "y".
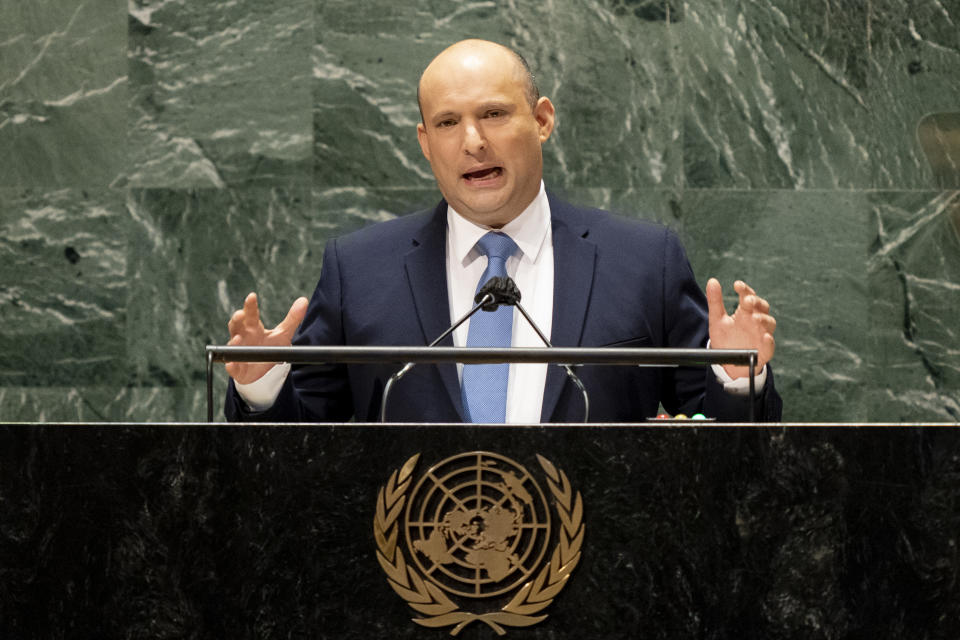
{"x": 261, "y": 394}
{"x": 740, "y": 386}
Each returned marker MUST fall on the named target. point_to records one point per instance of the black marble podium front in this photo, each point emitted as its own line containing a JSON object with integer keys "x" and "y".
{"x": 227, "y": 531}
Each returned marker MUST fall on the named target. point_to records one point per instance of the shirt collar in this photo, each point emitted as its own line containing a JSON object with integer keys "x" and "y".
{"x": 528, "y": 230}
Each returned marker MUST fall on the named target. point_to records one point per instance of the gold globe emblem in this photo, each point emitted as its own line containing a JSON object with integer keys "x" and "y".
{"x": 477, "y": 524}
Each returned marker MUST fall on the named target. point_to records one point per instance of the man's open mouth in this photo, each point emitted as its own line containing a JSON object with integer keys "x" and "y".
{"x": 491, "y": 172}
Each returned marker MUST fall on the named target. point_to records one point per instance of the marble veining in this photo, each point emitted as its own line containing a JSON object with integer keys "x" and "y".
{"x": 160, "y": 159}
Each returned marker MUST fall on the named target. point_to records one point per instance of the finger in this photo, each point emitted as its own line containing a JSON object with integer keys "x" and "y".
{"x": 715, "y": 308}
{"x": 251, "y": 310}
{"x": 767, "y": 348}
{"x": 746, "y": 296}
{"x": 767, "y": 322}
{"x": 743, "y": 289}
{"x": 294, "y": 317}
{"x": 762, "y": 305}
{"x": 234, "y": 368}
{"x": 235, "y": 325}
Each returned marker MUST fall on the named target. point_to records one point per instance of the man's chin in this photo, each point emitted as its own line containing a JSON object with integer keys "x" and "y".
{"x": 487, "y": 216}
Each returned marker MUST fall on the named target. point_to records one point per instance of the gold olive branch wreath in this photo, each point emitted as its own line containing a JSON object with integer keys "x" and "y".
{"x": 427, "y": 598}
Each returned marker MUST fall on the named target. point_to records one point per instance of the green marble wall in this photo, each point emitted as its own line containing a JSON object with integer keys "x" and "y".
{"x": 161, "y": 158}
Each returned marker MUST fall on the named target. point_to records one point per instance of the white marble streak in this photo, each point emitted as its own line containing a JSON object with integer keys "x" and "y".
{"x": 396, "y": 152}
{"x": 45, "y": 43}
{"x": 85, "y": 94}
{"x": 143, "y": 10}
{"x": 464, "y": 8}
{"x": 939, "y": 206}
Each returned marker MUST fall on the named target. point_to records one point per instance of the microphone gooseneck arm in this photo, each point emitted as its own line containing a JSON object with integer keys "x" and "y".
{"x": 570, "y": 374}
{"x": 485, "y": 298}
{"x": 497, "y": 291}
{"x": 506, "y": 292}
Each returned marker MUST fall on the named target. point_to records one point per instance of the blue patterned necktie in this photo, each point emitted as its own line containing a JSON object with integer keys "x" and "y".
{"x": 484, "y": 386}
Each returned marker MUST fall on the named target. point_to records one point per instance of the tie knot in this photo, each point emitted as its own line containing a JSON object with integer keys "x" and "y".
{"x": 497, "y": 245}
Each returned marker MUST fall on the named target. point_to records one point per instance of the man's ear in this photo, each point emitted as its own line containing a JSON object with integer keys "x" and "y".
{"x": 546, "y": 117}
{"x": 422, "y": 139}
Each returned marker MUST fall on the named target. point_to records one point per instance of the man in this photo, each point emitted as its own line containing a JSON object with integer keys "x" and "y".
{"x": 587, "y": 277}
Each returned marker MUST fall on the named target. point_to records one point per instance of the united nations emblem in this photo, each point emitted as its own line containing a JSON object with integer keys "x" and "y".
{"x": 476, "y": 528}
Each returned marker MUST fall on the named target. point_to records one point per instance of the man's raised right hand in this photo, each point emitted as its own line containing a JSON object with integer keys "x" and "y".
{"x": 246, "y": 330}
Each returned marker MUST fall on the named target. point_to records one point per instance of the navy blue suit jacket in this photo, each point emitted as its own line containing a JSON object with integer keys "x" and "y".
{"x": 617, "y": 282}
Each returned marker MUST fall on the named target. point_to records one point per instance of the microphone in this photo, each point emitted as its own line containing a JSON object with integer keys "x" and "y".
{"x": 503, "y": 290}
{"x": 485, "y": 299}
{"x": 497, "y": 291}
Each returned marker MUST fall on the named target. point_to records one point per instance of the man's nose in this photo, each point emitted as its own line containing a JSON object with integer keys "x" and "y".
{"x": 473, "y": 140}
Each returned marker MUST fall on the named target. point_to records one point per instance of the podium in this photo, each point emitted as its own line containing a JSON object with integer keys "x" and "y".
{"x": 271, "y": 531}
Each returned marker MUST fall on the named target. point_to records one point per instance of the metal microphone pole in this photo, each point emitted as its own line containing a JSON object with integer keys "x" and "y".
{"x": 570, "y": 374}
{"x": 488, "y": 299}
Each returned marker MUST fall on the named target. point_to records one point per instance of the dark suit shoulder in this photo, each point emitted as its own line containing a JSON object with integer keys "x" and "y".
{"x": 398, "y": 232}
{"x": 611, "y": 230}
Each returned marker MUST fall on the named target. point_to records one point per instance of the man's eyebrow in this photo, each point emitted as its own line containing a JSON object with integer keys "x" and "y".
{"x": 489, "y": 106}
{"x": 443, "y": 115}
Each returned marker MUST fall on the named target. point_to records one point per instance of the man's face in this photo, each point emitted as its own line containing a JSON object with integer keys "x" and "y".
{"x": 480, "y": 134}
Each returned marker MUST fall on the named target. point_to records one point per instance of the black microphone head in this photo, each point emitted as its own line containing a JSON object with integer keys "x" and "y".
{"x": 503, "y": 290}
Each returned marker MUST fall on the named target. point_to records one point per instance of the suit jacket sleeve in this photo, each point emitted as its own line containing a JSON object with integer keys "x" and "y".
{"x": 692, "y": 390}
{"x": 311, "y": 393}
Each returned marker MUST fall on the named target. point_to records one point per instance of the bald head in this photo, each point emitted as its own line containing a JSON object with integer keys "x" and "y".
{"x": 463, "y": 51}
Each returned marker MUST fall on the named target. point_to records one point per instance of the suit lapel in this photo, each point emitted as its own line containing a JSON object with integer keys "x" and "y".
{"x": 574, "y": 259}
{"x": 427, "y": 277}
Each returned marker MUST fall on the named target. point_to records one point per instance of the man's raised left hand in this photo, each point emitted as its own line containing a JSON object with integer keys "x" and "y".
{"x": 750, "y": 327}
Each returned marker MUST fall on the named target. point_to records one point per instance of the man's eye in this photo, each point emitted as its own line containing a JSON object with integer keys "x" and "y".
{"x": 496, "y": 113}
{"x": 446, "y": 123}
